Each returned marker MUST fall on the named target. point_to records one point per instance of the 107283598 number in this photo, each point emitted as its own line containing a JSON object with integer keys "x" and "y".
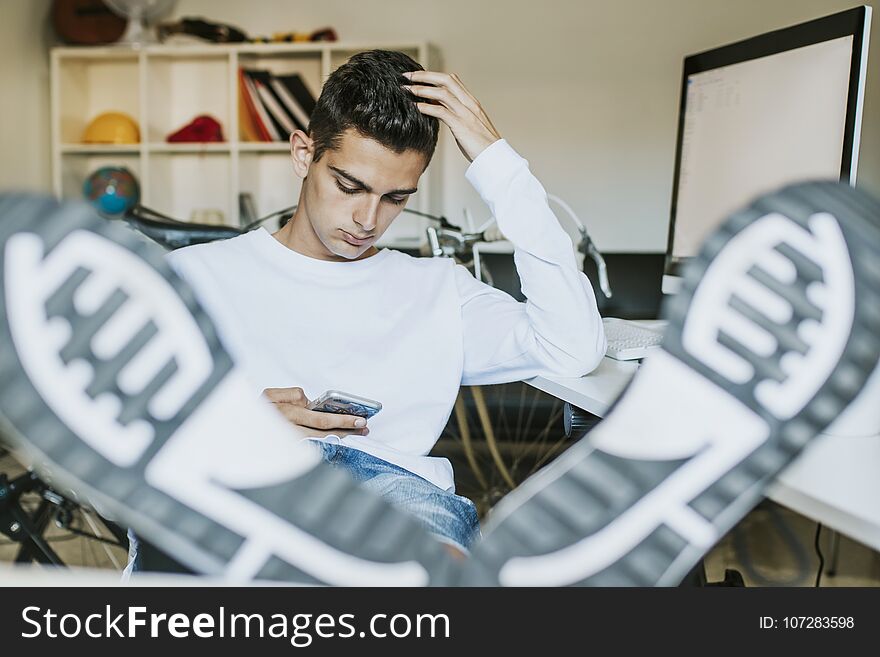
{"x": 817, "y": 622}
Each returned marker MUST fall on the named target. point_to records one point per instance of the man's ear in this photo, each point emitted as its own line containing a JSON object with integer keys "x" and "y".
{"x": 302, "y": 149}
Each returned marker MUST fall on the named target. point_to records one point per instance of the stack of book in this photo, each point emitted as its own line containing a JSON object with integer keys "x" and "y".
{"x": 272, "y": 106}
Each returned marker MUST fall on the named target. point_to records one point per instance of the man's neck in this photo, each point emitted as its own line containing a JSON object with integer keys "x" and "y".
{"x": 298, "y": 235}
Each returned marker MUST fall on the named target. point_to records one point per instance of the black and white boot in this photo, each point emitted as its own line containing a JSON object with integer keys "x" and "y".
{"x": 116, "y": 388}
{"x": 775, "y": 332}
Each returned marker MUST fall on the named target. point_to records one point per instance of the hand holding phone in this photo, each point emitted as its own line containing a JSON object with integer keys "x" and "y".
{"x": 336, "y": 401}
{"x": 293, "y": 404}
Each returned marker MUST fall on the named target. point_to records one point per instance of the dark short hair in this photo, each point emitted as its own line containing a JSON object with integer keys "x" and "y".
{"x": 365, "y": 94}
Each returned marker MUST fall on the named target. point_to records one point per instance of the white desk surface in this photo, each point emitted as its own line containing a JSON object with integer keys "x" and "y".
{"x": 594, "y": 392}
{"x": 835, "y": 481}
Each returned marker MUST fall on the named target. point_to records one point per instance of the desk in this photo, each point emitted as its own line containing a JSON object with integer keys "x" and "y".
{"x": 835, "y": 481}
{"x": 594, "y": 392}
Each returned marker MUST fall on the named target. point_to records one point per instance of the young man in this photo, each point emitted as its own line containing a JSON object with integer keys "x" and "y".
{"x": 316, "y": 306}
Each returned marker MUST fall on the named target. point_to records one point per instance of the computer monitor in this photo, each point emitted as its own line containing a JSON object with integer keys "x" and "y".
{"x": 761, "y": 113}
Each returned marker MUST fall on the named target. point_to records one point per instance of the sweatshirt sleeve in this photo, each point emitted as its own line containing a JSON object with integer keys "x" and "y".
{"x": 558, "y": 329}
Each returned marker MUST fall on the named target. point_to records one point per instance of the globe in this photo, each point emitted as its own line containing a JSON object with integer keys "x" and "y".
{"x": 112, "y": 190}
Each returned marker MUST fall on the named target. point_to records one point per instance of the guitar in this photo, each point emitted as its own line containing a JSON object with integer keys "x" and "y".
{"x": 199, "y": 27}
{"x": 224, "y": 33}
{"x": 86, "y": 22}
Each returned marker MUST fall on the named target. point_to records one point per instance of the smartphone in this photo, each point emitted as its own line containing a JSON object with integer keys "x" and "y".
{"x": 335, "y": 401}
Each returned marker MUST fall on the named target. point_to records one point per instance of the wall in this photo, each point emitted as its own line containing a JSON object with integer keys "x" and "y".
{"x": 586, "y": 90}
{"x": 24, "y": 95}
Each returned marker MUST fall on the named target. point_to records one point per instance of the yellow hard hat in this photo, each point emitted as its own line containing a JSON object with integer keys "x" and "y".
{"x": 112, "y": 128}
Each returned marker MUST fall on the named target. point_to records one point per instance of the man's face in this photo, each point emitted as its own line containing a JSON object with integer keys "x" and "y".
{"x": 353, "y": 193}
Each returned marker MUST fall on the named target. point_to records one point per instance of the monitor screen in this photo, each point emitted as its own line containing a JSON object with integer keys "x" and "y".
{"x": 763, "y": 113}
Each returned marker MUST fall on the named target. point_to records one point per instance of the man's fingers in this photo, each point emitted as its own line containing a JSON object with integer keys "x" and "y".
{"x": 327, "y": 421}
{"x": 298, "y": 416}
{"x": 288, "y": 411}
{"x": 440, "y": 80}
{"x": 450, "y": 82}
{"x": 440, "y": 94}
{"x": 323, "y": 421}
{"x": 439, "y": 111}
{"x": 286, "y": 396}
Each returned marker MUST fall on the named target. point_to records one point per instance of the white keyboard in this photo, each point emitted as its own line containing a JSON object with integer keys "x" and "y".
{"x": 629, "y": 341}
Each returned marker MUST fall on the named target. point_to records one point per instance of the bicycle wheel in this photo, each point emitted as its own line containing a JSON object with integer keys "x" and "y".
{"x": 498, "y": 436}
{"x": 66, "y": 534}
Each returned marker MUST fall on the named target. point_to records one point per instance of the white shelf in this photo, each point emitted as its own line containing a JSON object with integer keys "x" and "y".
{"x": 180, "y": 147}
{"x": 162, "y": 88}
{"x": 98, "y": 149}
{"x": 100, "y": 52}
{"x": 190, "y": 147}
{"x": 224, "y": 50}
{"x": 264, "y": 147}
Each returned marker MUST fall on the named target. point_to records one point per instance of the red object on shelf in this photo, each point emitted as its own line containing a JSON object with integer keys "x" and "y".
{"x": 203, "y": 128}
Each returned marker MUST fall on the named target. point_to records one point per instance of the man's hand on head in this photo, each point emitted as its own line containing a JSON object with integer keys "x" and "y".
{"x": 456, "y": 107}
{"x": 292, "y": 403}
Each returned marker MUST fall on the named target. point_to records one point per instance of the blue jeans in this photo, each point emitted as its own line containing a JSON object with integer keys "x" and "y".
{"x": 452, "y": 518}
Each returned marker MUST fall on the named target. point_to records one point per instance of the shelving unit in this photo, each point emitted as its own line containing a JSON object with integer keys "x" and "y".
{"x": 163, "y": 88}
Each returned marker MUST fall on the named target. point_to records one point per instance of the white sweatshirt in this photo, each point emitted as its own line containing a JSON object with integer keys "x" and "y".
{"x": 405, "y": 331}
